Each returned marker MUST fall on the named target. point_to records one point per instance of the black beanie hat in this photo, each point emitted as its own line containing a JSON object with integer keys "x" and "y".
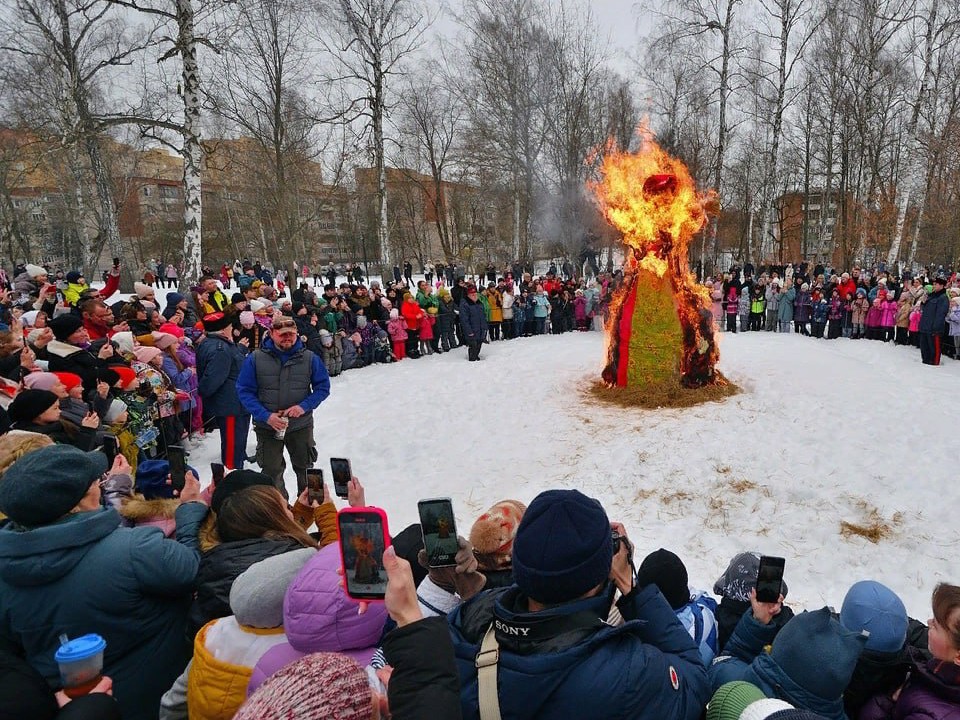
{"x": 63, "y": 326}
{"x": 237, "y": 298}
{"x": 235, "y": 482}
{"x": 28, "y": 404}
{"x": 667, "y": 571}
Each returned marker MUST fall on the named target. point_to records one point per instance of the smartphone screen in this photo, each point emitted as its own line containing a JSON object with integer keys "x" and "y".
{"x": 770, "y": 579}
{"x": 315, "y": 484}
{"x": 439, "y": 531}
{"x": 217, "y": 472}
{"x": 363, "y": 538}
{"x": 110, "y": 449}
{"x": 342, "y": 473}
{"x": 178, "y": 466}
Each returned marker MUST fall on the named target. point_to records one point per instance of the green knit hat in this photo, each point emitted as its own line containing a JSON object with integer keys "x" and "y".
{"x": 730, "y": 700}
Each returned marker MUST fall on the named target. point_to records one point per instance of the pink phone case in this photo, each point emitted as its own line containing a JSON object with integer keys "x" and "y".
{"x": 374, "y": 564}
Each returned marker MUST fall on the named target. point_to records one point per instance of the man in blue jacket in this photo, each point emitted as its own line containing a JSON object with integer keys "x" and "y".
{"x": 555, "y": 655}
{"x": 68, "y": 567}
{"x": 219, "y": 361}
{"x": 281, "y": 384}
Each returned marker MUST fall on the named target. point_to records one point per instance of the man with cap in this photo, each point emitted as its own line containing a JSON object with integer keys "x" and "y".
{"x": 933, "y": 320}
{"x": 68, "y": 567}
{"x": 219, "y": 360}
{"x": 545, "y": 642}
{"x": 281, "y": 384}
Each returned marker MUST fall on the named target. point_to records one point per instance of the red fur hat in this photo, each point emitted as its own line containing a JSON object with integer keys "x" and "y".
{"x": 493, "y": 533}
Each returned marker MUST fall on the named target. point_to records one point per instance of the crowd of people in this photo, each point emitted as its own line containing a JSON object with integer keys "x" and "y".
{"x": 922, "y": 310}
{"x": 225, "y": 599}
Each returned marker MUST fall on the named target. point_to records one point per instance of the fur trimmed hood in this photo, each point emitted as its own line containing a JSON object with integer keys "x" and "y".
{"x": 138, "y": 509}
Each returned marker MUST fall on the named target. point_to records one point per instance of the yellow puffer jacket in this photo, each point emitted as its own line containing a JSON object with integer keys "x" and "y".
{"x": 496, "y": 305}
{"x": 72, "y": 292}
{"x": 216, "y": 689}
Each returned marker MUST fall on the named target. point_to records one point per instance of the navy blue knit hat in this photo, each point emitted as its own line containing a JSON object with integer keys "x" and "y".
{"x": 563, "y": 547}
{"x": 817, "y": 653}
{"x": 152, "y": 480}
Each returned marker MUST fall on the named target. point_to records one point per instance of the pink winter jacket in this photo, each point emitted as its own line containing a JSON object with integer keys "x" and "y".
{"x": 397, "y": 329}
{"x": 318, "y": 616}
{"x": 889, "y": 316}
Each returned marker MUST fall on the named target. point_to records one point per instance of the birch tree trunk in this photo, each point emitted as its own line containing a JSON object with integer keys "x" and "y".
{"x": 192, "y": 150}
{"x": 916, "y": 159}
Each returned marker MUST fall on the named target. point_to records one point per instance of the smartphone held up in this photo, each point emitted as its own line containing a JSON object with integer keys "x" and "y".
{"x": 342, "y": 474}
{"x": 439, "y": 531}
{"x": 315, "y": 485}
{"x": 363, "y": 538}
{"x": 178, "y": 466}
{"x": 770, "y": 579}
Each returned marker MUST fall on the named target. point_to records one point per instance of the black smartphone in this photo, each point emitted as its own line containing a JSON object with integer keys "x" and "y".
{"x": 110, "y": 449}
{"x": 439, "y": 531}
{"x": 315, "y": 484}
{"x": 770, "y": 579}
{"x": 342, "y": 474}
{"x": 178, "y": 466}
{"x": 217, "y": 472}
{"x": 363, "y": 539}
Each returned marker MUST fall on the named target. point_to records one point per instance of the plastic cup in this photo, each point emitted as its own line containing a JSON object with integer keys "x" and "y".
{"x": 81, "y": 664}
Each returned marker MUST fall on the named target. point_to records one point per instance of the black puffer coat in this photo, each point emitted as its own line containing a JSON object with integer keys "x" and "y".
{"x": 219, "y": 567}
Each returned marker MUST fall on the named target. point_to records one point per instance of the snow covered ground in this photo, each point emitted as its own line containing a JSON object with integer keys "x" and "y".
{"x": 823, "y": 432}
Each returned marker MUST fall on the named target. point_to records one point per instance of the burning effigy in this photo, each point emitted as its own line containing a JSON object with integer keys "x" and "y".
{"x": 660, "y": 331}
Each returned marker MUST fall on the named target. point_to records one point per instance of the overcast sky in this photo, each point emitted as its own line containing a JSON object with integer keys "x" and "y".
{"x": 615, "y": 18}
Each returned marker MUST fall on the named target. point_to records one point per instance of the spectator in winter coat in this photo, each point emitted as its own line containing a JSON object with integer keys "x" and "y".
{"x": 473, "y": 323}
{"x": 743, "y": 308}
{"x": 397, "y": 329}
{"x": 251, "y": 521}
{"x": 411, "y": 313}
{"x": 933, "y": 689}
{"x": 809, "y": 665}
{"x": 566, "y": 573}
{"x": 68, "y": 353}
{"x": 695, "y": 610}
{"x": 426, "y": 331}
{"x": 66, "y": 565}
{"x": 213, "y": 686}
{"x": 38, "y": 411}
{"x": 785, "y": 310}
{"x": 446, "y": 320}
{"x": 858, "y": 314}
{"x": 802, "y": 309}
{"x": 904, "y": 306}
{"x": 953, "y": 326}
{"x": 734, "y": 588}
{"x": 773, "y": 297}
{"x": 331, "y": 349}
{"x": 932, "y": 322}
{"x": 835, "y": 316}
{"x": 319, "y": 616}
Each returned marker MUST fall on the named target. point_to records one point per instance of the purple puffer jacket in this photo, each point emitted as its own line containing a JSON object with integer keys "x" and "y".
{"x": 319, "y": 617}
{"x": 932, "y": 693}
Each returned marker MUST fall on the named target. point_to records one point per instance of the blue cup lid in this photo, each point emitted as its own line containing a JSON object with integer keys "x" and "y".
{"x": 80, "y": 648}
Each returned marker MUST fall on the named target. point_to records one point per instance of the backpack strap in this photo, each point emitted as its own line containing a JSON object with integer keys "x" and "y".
{"x": 486, "y": 663}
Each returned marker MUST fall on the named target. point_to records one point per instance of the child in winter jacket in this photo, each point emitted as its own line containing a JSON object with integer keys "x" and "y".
{"x": 732, "y": 303}
{"x": 696, "y": 611}
{"x": 914, "y": 327}
{"x": 858, "y": 314}
{"x": 953, "y": 326}
{"x": 903, "y": 319}
{"x": 446, "y": 320}
{"x": 318, "y": 616}
{"x": 397, "y": 330}
{"x": 758, "y": 306}
{"x": 874, "y": 320}
{"x": 426, "y": 331}
{"x": 580, "y": 311}
{"x": 888, "y": 318}
{"x": 743, "y": 308}
{"x": 226, "y": 650}
{"x": 821, "y": 310}
{"x": 835, "y": 316}
{"x": 331, "y": 350}
{"x": 932, "y": 691}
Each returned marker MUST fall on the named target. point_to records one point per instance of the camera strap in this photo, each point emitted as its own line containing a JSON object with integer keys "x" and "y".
{"x": 488, "y": 658}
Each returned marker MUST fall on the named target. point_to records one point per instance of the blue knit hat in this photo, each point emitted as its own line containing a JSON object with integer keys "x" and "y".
{"x": 152, "y": 480}
{"x": 875, "y": 608}
{"x": 815, "y": 651}
{"x": 563, "y": 547}
{"x": 45, "y": 485}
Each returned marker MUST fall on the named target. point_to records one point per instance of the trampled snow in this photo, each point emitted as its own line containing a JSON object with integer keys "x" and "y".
{"x": 823, "y": 432}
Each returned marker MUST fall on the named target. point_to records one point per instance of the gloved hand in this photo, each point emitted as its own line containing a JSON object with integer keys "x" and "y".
{"x": 463, "y": 578}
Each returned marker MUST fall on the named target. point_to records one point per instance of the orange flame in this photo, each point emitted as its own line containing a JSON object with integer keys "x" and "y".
{"x": 651, "y": 198}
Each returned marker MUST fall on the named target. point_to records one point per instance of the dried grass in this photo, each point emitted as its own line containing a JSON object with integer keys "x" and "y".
{"x": 743, "y": 485}
{"x": 665, "y": 395}
{"x": 873, "y": 526}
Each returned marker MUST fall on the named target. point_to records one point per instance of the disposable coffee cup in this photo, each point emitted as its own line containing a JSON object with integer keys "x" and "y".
{"x": 81, "y": 664}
